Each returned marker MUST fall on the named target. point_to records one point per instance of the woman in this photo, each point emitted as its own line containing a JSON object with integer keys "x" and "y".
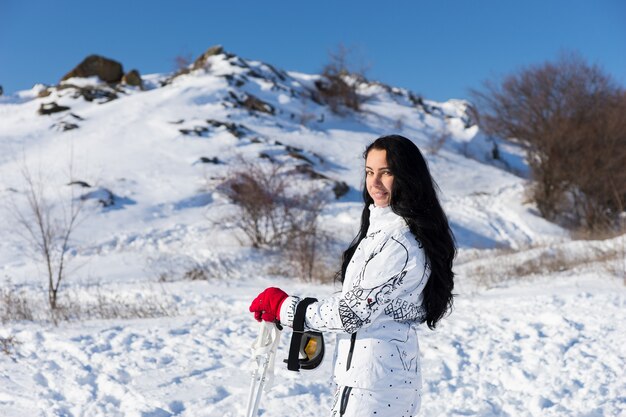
{"x": 396, "y": 274}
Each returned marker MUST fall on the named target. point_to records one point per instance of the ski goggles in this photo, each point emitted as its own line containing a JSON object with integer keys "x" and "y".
{"x": 311, "y": 350}
{"x": 307, "y": 347}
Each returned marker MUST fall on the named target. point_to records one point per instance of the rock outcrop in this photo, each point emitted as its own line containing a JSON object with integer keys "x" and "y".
{"x": 201, "y": 62}
{"x": 133, "y": 78}
{"x": 50, "y": 108}
{"x": 106, "y": 69}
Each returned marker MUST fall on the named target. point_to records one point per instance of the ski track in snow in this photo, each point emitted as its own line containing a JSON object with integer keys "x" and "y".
{"x": 506, "y": 352}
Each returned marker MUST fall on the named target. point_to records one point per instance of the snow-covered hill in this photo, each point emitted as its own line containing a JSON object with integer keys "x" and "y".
{"x": 550, "y": 344}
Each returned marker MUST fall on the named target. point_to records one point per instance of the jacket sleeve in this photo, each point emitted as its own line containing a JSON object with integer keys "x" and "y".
{"x": 395, "y": 269}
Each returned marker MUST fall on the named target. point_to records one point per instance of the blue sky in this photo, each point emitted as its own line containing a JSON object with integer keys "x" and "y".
{"x": 437, "y": 48}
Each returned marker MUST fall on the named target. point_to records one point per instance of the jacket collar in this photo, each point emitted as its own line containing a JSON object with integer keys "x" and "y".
{"x": 384, "y": 218}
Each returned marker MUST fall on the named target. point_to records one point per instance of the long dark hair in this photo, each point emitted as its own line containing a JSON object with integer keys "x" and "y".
{"x": 414, "y": 197}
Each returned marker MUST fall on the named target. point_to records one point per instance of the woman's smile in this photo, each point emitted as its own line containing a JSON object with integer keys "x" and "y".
{"x": 378, "y": 177}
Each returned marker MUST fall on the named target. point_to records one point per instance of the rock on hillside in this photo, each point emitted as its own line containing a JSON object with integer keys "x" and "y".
{"x": 106, "y": 69}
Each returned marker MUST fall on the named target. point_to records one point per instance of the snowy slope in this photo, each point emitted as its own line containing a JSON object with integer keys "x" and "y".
{"x": 134, "y": 147}
{"x": 533, "y": 346}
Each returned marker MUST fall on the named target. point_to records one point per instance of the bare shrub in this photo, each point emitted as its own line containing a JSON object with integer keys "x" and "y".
{"x": 570, "y": 117}
{"x": 182, "y": 65}
{"x": 437, "y": 141}
{"x": 307, "y": 243}
{"x": 324, "y": 268}
{"x": 8, "y": 345}
{"x": 259, "y": 192}
{"x": 274, "y": 215}
{"x": 615, "y": 265}
{"x": 14, "y": 305}
{"x": 182, "y": 62}
{"x": 171, "y": 270}
{"x": 47, "y": 228}
{"x": 305, "y": 116}
{"x": 176, "y": 268}
{"x": 339, "y": 86}
{"x": 485, "y": 277}
{"x": 399, "y": 123}
{"x": 197, "y": 273}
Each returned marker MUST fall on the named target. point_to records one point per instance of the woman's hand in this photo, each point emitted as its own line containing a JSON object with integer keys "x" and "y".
{"x": 266, "y": 306}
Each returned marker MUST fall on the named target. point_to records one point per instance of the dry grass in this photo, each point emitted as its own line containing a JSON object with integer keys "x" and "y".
{"x": 14, "y": 304}
{"x": 89, "y": 303}
{"x": 323, "y": 271}
{"x": 96, "y": 303}
{"x": 178, "y": 267}
{"x": 493, "y": 267}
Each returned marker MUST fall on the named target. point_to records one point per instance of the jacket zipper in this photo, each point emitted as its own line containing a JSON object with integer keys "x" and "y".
{"x": 346, "y": 390}
{"x": 352, "y": 342}
{"x": 344, "y": 400}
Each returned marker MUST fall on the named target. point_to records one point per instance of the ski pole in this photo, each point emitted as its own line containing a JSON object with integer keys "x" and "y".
{"x": 263, "y": 354}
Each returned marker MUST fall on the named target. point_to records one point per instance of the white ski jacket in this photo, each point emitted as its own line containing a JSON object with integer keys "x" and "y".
{"x": 378, "y": 310}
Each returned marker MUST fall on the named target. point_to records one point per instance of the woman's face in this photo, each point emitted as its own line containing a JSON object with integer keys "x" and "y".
{"x": 378, "y": 177}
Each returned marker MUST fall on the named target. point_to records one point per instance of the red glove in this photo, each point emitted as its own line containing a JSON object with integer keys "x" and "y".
{"x": 266, "y": 306}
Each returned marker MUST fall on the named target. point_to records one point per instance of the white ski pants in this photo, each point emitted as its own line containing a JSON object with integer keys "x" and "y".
{"x": 358, "y": 402}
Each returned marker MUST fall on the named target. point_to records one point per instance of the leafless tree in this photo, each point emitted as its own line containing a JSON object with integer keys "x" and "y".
{"x": 570, "y": 117}
{"x": 47, "y": 227}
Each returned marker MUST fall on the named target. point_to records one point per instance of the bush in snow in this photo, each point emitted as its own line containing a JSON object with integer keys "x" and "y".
{"x": 570, "y": 117}
{"x": 259, "y": 192}
{"x": 8, "y": 345}
{"x": 276, "y": 214}
{"x": 339, "y": 86}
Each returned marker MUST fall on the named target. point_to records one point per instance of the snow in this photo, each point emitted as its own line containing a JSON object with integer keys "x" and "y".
{"x": 542, "y": 349}
{"x": 83, "y": 81}
{"x": 538, "y": 325}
